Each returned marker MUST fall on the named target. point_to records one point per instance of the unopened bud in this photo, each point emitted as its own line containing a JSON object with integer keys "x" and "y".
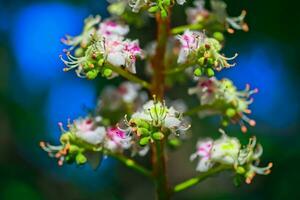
{"x": 158, "y": 136}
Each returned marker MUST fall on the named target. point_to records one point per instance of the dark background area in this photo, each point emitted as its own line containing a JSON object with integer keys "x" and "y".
{"x": 35, "y": 95}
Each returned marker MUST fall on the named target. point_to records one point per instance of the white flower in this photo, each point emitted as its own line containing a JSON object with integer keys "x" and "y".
{"x": 100, "y": 43}
{"x": 129, "y": 91}
{"x": 84, "y": 38}
{"x": 85, "y": 130}
{"x": 204, "y": 153}
{"x": 224, "y": 150}
{"x": 206, "y": 90}
{"x": 110, "y": 28}
{"x": 116, "y": 139}
{"x": 248, "y": 161}
{"x": 224, "y": 98}
{"x": 198, "y": 13}
{"x": 190, "y": 41}
{"x": 158, "y": 115}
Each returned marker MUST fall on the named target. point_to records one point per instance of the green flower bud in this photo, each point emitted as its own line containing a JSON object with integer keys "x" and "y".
{"x": 198, "y": 72}
{"x": 218, "y": 36}
{"x": 153, "y": 9}
{"x": 163, "y": 13}
{"x": 240, "y": 170}
{"x": 158, "y": 136}
{"x": 230, "y": 112}
{"x": 175, "y": 142}
{"x": 225, "y": 123}
{"x": 73, "y": 149}
{"x": 167, "y": 2}
{"x": 210, "y": 61}
{"x": 80, "y": 159}
{"x": 107, "y": 72}
{"x": 143, "y": 132}
{"x": 78, "y": 52}
{"x": 201, "y": 61}
{"x": 92, "y": 74}
{"x": 141, "y": 123}
{"x": 144, "y": 141}
{"x": 210, "y": 72}
{"x": 100, "y": 62}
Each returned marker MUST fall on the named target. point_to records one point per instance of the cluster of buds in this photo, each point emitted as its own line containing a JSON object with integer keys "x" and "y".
{"x": 203, "y": 52}
{"x": 86, "y": 136}
{"x": 229, "y": 151}
{"x": 222, "y": 97}
{"x": 217, "y": 16}
{"x": 101, "y": 44}
{"x": 155, "y": 121}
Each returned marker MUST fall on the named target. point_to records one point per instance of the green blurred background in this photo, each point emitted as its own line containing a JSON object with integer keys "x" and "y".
{"x": 35, "y": 94}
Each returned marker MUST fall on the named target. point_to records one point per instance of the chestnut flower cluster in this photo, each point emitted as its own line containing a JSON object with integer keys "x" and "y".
{"x": 155, "y": 121}
{"x": 127, "y": 122}
{"x": 84, "y": 137}
{"x": 218, "y": 17}
{"x": 203, "y": 52}
{"x": 229, "y": 151}
{"x": 222, "y": 97}
{"x": 100, "y": 45}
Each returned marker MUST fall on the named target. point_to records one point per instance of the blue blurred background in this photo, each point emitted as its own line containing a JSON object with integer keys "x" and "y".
{"x": 35, "y": 95}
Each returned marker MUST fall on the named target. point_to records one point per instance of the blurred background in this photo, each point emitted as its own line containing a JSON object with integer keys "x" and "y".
{"x": 35, "y": 95}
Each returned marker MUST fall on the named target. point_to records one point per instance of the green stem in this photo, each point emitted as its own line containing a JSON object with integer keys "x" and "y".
{"x": 131, "y": 164}
{"x": 193, "y": 181}
{"x": 198, "y": 109}
{"x": 128, "y": 75}
{"x": 181, "y": 29}
{"x": 178, "y": 68}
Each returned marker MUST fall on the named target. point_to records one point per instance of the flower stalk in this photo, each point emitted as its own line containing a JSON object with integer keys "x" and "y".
{"x": 130, "y": 163}
{"x": 128, "y": 76}
{"x": 193, "y": 181}
{"x": 157, "y": 89}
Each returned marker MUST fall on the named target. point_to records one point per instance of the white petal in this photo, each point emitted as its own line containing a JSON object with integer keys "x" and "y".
{"x": 204, "y": 165}
{"x": 180, "y": 2}
{"x": 172, "y": 122}
{"x": 92, "y": 137}
{"x": 116, "y": 58}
